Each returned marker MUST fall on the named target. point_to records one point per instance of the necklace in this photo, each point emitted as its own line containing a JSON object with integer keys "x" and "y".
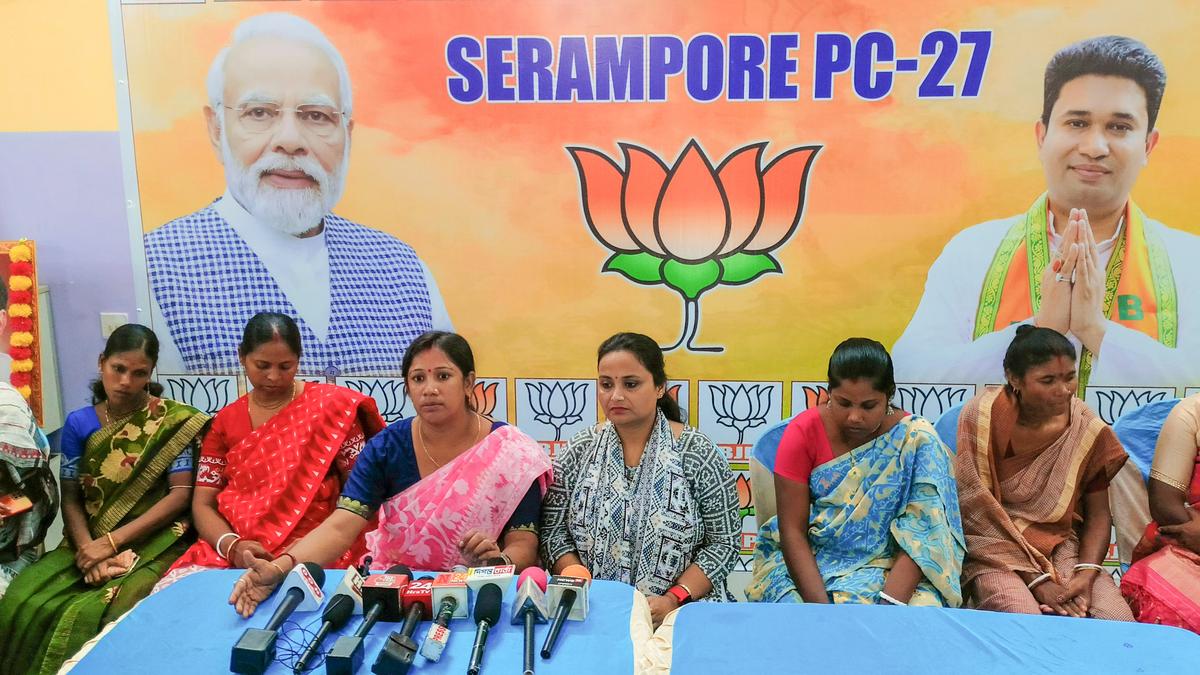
{"x": 279, "y": 405}
{"x": 109, "y": 417}
{"x": 425, "y": 448}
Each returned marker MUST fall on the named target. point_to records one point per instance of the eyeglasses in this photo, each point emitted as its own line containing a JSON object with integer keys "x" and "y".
{"x": 258, "y": 118}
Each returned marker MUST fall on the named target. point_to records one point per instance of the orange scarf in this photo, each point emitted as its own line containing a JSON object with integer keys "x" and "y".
{"x": 1139, "y": 288}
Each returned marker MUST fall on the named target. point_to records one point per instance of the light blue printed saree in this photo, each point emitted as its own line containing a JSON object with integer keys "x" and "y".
{"x": 896, "y": 493}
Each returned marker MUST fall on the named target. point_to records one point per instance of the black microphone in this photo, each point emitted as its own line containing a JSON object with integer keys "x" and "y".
{"x": 400, "y": 649}
{"x": 255, "y": 649}
{"x": 487, "y": 614}
{"x": 568, "y": 592}
{"x": 335, "y": 616}
{"x": 381, "y": 601}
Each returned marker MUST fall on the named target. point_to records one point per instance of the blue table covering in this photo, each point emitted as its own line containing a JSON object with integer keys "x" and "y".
{"x": 825, "y": 639}
{"x": 190, "y": 628}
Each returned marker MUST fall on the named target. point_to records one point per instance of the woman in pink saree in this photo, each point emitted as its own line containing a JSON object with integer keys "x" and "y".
{"x": 1163, "y": 586}
{"x": 449, "y": 486}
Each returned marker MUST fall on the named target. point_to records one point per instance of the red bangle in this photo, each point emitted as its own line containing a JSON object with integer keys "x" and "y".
{"x": 680, "y": 594}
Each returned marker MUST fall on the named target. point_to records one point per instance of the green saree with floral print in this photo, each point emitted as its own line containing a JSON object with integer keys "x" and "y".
{"x": 49, "y": 611}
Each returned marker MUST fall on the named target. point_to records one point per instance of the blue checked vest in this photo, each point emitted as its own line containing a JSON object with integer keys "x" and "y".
{"x": 209, "y": 283}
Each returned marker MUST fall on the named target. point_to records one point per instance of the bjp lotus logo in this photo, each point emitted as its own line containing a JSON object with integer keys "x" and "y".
{"x": 741, "y": 407}
{"x": 557, "y": 404}
{"x": 692, "y": 226}
{"x": 745, "y": 497}
{"x": 483, "y": 397}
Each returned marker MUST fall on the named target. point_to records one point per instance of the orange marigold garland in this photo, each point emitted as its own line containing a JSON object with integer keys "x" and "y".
{"x": 20, "y": 312}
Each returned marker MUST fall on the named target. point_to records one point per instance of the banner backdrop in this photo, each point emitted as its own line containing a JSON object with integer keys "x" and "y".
{"x": 748, "y": 182}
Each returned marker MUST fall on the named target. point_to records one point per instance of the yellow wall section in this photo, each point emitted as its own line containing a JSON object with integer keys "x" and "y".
{"x": 57, "y": 69}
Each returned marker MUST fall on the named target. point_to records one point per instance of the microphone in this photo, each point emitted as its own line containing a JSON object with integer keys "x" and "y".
{"x": 255, "y": 649}
{"x": 450, "y": 597}
{"x": 365, "y": 567}
{"x": 530, "y": 608}
{"x": 335, "y": 616}
{"x": 400, "y": 649}
{"x": 487, "y": 614}
{"x": 351, "y": 587}
{"x": 381, "y": 597}
{"x": 568, "y": 593}
{"x": 500, "y": 576}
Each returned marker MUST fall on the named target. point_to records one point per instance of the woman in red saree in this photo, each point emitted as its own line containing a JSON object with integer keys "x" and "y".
{"x": 1163, "y": 585}
{"x": 449, "y": 486}
{"x": 273, "y": 465}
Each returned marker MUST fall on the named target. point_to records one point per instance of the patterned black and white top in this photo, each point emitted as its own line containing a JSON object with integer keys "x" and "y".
{"x": 644, "y": 525}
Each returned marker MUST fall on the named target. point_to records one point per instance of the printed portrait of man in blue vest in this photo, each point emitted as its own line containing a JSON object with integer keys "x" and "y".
{"x": 280, "y": 119}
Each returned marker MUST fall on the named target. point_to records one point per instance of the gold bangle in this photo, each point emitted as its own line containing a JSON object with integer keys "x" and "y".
{"x": 276, "y": 566}
{"x": 112, "y": 543}
{"x": 686, "y": 589}
{"x": 285, "y": 553}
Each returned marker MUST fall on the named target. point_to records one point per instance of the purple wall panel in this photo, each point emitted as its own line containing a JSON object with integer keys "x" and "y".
{"x": 64, "y": 190}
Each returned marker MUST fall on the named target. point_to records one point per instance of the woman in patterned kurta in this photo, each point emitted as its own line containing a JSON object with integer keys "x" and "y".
{"x": 868, "y": 509}
{"x": 642, "y": 498}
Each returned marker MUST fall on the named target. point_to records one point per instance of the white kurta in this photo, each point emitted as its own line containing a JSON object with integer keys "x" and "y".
{"x": 300, "y": 266}
{"x": 939, "y": 344}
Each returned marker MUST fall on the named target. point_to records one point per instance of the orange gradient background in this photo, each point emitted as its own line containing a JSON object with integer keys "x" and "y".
{"x": 488, "y": 196}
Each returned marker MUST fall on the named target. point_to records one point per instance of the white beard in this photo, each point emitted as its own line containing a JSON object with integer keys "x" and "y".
{"x": 291, "y": 211}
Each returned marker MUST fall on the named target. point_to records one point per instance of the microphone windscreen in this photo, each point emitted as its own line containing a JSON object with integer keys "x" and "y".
{"x": 577, "y": 571}
{"x": 400, "y": 569}
{"x": 317, "y": 573}
{"x": 487, "y": 604}
{"x": 339, "y": 610}
{"x": 537, "y": 574}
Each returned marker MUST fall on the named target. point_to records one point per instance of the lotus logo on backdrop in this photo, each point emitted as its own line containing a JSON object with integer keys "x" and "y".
{"x": 814, "y": 395}
{"x": 557, "y": 404}
{"x": 483, "y": 397}
{"x": 741, "y": 407}
{"x": 1112, "y": 402}
{"x": 692, "y": 226}
{"x": 388, "y": 393}
{"x": 931, "y": 400}
{"x": 204, "y": 393}
{"x": 745, "y": 497}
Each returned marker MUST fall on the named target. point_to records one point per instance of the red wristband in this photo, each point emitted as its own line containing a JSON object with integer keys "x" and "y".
{"x": 680, "y": 594}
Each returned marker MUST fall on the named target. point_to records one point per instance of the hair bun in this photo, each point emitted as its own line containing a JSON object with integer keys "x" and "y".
{"x": 1025, "y": 328}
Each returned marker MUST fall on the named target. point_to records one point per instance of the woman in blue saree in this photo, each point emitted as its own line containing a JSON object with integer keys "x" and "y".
{"x": 868, "y": 507}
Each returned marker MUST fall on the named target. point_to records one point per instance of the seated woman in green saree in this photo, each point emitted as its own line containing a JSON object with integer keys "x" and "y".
{"x": 127, "y": 473}
{"x": 868, "y": 508}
